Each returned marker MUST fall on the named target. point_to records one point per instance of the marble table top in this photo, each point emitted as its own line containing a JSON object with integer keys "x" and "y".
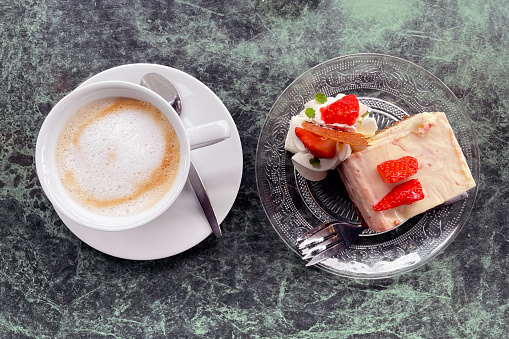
{"x": 248, "y": 283}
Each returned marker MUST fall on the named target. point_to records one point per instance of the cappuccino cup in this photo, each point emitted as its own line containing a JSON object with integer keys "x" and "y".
{"x": 114, "y": 155}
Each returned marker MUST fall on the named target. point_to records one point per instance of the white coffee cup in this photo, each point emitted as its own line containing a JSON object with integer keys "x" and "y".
{"x": 189, "y": 138}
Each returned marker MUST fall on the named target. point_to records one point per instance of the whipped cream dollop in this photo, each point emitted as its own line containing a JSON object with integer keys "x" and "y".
{"x": 301, "y": 158}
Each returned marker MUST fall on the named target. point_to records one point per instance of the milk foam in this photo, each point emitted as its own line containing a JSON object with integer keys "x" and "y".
{"x": 118, "y": 156}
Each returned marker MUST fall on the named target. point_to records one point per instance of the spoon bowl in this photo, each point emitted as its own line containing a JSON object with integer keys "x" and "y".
{"x": 162, "y": 86}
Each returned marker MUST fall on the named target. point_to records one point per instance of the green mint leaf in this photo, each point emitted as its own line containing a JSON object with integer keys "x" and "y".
{"x": 314, "y": 161}
{"x": 310, "y": 113}
{"x": 321, "y": 98}
{"x": 363, "y": 116}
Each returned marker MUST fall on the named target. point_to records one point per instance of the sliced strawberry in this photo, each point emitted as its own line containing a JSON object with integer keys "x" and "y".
{"x": 404, "y": 194}
{"x": 397, "y": 170}
{"x": 318, "y": 146}
{"x": 343, "y": 111}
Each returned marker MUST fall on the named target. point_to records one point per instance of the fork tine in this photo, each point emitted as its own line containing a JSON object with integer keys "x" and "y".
{"x": 328, "y": 253}
{"x": 310, "y": 252}
{"x": 313, "y": 231}
{"x": 345, "y": 235}
{"x": 318, "y": 236}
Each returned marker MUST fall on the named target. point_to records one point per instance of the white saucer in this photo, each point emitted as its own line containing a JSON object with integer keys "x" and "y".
{"x": 183, "y": 225}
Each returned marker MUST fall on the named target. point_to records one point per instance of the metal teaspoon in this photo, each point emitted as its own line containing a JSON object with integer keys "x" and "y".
{"x": 162, "y": 86}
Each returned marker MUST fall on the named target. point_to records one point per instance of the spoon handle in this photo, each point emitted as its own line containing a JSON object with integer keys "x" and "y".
{"x": 203, "y": 198}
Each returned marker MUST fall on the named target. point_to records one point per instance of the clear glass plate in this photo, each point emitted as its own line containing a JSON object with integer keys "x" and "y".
{"x": 394, "y": 88}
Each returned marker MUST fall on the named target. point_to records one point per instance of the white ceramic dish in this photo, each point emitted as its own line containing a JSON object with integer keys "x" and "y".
{"x": 183, "y": 225}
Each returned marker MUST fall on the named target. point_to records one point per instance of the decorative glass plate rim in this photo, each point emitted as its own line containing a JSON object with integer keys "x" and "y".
{"x": 475, "y": 162}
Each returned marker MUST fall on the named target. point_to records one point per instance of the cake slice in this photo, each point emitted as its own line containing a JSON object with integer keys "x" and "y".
{"x": 442, "y": 169}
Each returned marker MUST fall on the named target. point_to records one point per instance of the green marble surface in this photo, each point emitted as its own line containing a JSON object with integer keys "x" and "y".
{"x": 248, "y": 283}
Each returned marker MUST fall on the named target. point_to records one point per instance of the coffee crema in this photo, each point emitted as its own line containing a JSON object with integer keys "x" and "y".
{"x": 118, "y": 156}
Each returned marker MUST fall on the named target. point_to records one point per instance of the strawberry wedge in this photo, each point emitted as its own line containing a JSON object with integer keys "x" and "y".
{"x": 343, "y": 111}
{"x": 396, "y": 170}
{"x": 317, "y": 145}
{"x": 404, "y": 194}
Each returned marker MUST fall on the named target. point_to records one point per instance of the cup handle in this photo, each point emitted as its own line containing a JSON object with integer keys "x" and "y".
{"x": 208, "y": 134}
